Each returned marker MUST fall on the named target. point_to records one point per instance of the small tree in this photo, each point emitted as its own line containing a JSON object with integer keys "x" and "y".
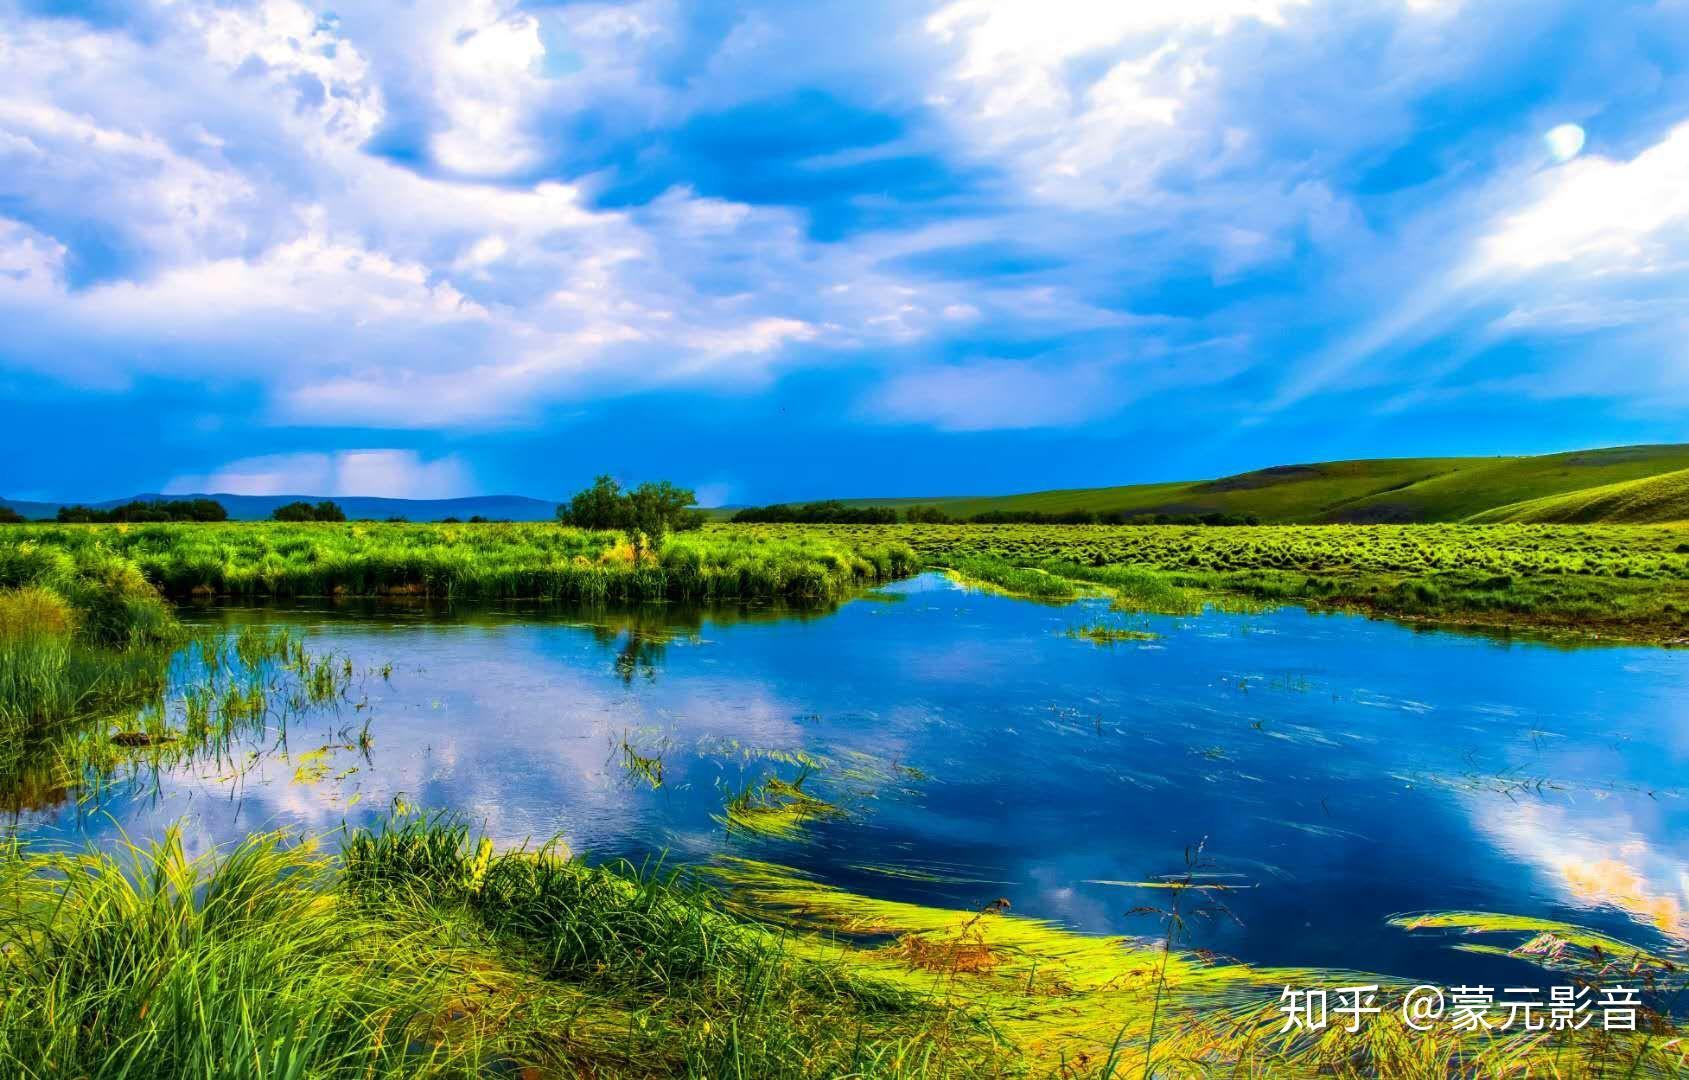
{"x": 601, "y": 506}
{"x": 328, "y": 510}
{"x": 656, "y": 509}
{"x": 8, "y": 516}
{"x": 647, "y": 513}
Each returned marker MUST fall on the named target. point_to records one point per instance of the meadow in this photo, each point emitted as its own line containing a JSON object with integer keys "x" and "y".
{"x": 465, "y": 562}
{"x": 1618, "y": 582}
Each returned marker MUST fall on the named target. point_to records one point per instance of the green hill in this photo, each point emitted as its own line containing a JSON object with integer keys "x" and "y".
{"x": 1377, "y": 490}
{"x": 1650, "y": 500}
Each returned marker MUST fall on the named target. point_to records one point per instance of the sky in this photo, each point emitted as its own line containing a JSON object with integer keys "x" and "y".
{"x": 429, "y": 248}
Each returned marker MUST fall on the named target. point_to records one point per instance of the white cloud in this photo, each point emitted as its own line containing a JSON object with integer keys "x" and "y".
{"x": 1598, "y": 215}
{"x": 397, "y": 474}
{"x": 31, "y": 265}
{"x": 486, "y": 80}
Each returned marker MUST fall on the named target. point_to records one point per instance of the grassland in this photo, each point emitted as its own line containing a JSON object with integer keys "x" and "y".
{"x": 1608, "y": 581}
{"x": 1648, "y": 499}
{"x": 465, "y": 562}
{"x": 1370, "y": 491}
{"x": 1603, "y": 581}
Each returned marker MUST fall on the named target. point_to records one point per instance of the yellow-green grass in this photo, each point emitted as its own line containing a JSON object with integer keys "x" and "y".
{"x": 449, "y": 561}
{"x": 1377, "y": 490}
{"x": 1651, "y": 499}
{"x": 1608, "y": 581}
{"x": 418, "y": 950}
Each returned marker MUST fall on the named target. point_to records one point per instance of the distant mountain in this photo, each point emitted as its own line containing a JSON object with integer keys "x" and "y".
{"x": 1620, "y": 483}
{"x": 259, "y": 507}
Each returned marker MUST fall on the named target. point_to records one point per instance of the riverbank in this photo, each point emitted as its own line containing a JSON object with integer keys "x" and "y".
{"x": 419, "y": 950}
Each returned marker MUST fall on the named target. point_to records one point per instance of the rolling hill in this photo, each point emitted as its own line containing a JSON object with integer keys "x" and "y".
{"x": 259, "y": 507}
{"x": 1639, "y": 484}
{"x": 1647, "y": 500}
{"x": 1383, "y": 490}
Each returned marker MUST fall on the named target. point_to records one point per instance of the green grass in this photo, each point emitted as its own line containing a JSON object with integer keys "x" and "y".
{"x": 419, "y": 950}
{"x": 1380, "y": 490}
{"x": 1662, "y": 498}
{"x": 1616, "y": 582}
{"x": 494, "y": 561}
{"x": 82, "y": 634}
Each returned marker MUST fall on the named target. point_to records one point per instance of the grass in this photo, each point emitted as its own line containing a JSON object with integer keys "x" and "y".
{"x": 417, "y": 949}
{"x": 1380, "y": 490}
{"x": 1648, "y": 499}
{"x": 776, "y": 808}
{"x": 1614, "y": 582}
{"x": 465, "y": 562}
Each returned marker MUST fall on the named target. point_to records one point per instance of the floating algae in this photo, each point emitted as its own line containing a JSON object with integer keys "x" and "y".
{"x": 1075, "y": 1004}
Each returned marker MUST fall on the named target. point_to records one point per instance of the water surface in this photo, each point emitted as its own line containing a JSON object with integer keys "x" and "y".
{"x": 1338, "y": 770}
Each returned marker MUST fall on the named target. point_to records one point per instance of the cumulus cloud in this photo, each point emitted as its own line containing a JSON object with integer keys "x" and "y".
{"x": 479, "y": 213}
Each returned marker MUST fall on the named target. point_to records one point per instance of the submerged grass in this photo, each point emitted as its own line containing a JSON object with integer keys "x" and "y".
{"x": 776, "y": 808}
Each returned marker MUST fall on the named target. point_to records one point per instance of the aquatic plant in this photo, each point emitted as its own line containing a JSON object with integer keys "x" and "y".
{"x": 776, "y": 808}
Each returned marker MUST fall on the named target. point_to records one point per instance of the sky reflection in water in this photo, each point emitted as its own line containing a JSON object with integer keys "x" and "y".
{"x": 1346, "y": 769}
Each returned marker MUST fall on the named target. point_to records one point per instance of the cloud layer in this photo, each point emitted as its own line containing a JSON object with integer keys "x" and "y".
{"x": 496, "y": 223}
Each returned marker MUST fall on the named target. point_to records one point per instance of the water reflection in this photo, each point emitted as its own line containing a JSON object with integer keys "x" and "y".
{"x": 972, "y": 749}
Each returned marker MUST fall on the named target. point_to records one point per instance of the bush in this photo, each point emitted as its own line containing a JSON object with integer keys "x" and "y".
{"x": 138, "y": 511}
{"x": 827, "y": 512}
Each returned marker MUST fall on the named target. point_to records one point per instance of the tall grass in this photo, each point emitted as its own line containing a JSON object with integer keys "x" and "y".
{"x": 81, "y": 632}
{"x": 151, "y": 964}
{"x": 420, "y": 950}
{"x": 491, "y": 561}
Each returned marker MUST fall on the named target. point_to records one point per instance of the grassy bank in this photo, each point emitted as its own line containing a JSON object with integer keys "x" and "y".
{"x": 82, "y": 632}
{"x": 494, "y": 561}
{"x": 417, "y": 951}
{"x": 1618, "y": 582}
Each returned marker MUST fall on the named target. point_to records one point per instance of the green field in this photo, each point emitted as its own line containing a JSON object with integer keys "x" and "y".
{"x": 1380, "y": 490}
{"x": 1617, "y": 582}
{"x": 462, "y": 562}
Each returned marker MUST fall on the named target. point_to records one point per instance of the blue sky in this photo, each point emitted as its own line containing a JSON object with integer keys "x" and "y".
{"x": 777, "y": 250}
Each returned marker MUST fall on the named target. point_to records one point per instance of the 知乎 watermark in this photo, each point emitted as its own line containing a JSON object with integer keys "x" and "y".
{"x": 1466, "y": 1008}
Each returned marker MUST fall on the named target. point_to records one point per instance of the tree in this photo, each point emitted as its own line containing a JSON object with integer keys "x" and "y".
{"x": 8, "y": 516}
{"x": 925, "y": 515}
{"x": 656, "y": 509}
{"x": 304, "y": 511}
{"x": 601, "y": 506}
{"x": 651, "y": 510}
